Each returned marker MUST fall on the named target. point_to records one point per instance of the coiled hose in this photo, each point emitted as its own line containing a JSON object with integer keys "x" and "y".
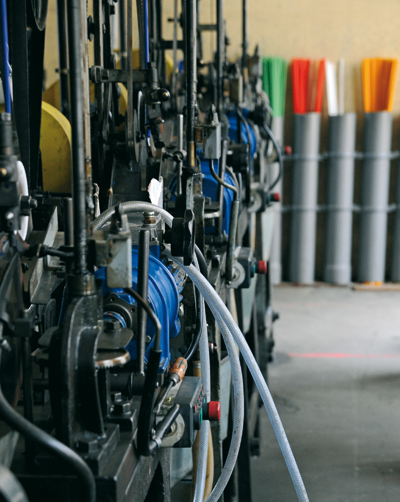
{"x": 228, "y": 326}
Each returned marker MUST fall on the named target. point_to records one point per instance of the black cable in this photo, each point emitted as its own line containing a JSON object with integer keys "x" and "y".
{"x": 274, "y": 142}
{"x": 150, "y": 313}
{"x": 279, "y": 154}
{"x": 202, "y": 262}
{"x": 222, "y": 182}
{"x": 199, "y": 328}
{"x": 30, "y": 431}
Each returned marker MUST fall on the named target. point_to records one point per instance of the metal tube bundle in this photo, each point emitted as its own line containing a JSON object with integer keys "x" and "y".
{"x": 275, "y": 264}
{"x": 305, "y": 195}
{"x": 342, "y": 138}
{"x": 374, "y": 196}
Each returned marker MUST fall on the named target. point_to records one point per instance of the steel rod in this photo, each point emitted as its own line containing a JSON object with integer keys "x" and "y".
{"x": 78, "y": 150}
{"x": 122, "y": 33}
{"x": 63, "y": 56}
{"x": 190, "y": 63}
{"x": 143, "y": 282}
{"x": 220, "y": 55}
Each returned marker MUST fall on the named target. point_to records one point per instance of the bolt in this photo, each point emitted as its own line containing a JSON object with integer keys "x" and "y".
{"x": 116, "y": 397}
{"x": 121, "y": 408}
{"x": 149, "y": 218}
{"x": 87, "y": 445}
{"x": 148, "y": 339}
{"x": 111, "y": 325}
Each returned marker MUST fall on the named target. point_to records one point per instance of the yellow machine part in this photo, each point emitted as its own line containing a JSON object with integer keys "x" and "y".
{"x": 52, "y": 95}
{"x": 55, "y": 146}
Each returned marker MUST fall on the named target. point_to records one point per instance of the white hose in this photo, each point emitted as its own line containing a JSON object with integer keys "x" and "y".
{"x": 202, "y": 462}
{"x": 228, "y": 325}
{"x": 223, "y": 315}
{"x": 22, "y": 187}
{"x": 201, "y": 473}
{"x": 238, "y": 414}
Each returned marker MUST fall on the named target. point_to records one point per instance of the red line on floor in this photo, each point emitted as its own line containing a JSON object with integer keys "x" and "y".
{"x": 339, "y": 355}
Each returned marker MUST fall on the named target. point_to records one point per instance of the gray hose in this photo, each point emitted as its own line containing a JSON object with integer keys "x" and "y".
{"x": 228, "y": 325}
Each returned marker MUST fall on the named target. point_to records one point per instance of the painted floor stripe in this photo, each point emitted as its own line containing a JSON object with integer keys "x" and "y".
{"x": 341, "y": 355}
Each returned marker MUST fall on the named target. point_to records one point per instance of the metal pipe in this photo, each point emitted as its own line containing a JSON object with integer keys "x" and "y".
{"x": 305, "y": 195}
{"x": 233, "y": 224}
{"x": 220, "y": 55}
{"x": 142, "y": 33}
{"x": 190, "y": 63}
{"x": 339, "y": 222}
{"x": 63, "y": 57}
{"x": 375, "y": 178}
{"x": 122, "y": 33}
{"x": 245, "y": 42}
{"x": 78, "y": 151}
{"x": 142, "y": 288}
{"x": 68, "y": 222}
{"x": 179, "y": 126}
{"x": 220, "y": 192}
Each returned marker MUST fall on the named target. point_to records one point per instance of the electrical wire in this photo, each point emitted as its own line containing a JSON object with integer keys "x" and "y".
{"x": 199, "y": 328}
{"x": 150, "y": 313}
{"x": 30, "y": 431}
{"x": 222, "y": 182}
{"x": 280, "y": 158}
{"x": 202, "y": 262}
{"x": 5, "y": 71}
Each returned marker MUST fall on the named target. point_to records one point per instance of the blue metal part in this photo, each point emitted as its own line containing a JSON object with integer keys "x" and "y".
{"x": 164, "y": 296}
{"x": 232, "y": 132}
{"x": 210, "y": 189}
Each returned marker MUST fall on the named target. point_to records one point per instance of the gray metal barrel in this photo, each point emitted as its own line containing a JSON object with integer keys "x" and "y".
{"x": 374, "y": 196}
{"x": 305, "y": 197}
{"x": 342, "y": 141}
{"x": 275, "y": 261}
{"x": 395, "y": 268}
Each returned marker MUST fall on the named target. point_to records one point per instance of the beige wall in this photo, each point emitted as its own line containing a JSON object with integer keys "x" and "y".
{"x": 349, "y": 29}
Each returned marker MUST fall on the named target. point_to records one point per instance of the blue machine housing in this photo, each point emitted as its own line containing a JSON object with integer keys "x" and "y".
{"x": 210, "y": 189}
{"x": 164, "y": 297}
{"x": 232, "y": 132}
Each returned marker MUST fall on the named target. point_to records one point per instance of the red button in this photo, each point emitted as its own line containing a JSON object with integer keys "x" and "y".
{"x": 214, "y": 411}
{"x": 275, "y": 197}
{"x": 288, "y": 150}
{"x": 262, "y": 267}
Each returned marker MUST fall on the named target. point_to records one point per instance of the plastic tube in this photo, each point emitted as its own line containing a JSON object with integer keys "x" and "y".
{"x": 201, "y": 472}
{"x": 238, "y": 416}
{"x": 228, "y": 325}
{"x": 225, "y": 320}
{"x": 202, "y": 462}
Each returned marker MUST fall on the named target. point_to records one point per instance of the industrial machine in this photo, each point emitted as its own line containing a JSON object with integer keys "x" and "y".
{"x": 136, "y": 214}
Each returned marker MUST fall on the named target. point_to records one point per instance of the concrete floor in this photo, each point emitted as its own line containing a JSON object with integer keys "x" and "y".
{"x": 336, "y": 383}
